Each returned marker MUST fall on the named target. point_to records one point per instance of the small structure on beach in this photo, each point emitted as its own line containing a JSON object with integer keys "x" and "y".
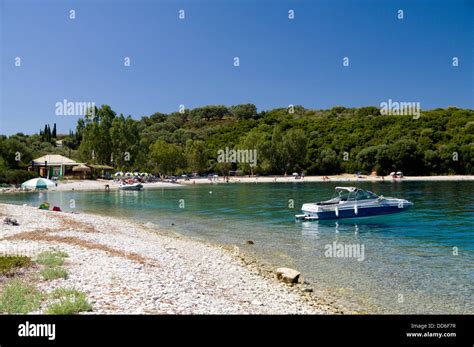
{"x": 53, "y": 165}
{"x": 82, "y": 170}
{"x": 102, "y": 171}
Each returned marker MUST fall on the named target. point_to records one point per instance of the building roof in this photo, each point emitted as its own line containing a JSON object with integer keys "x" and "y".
{"x": 54, "y": 159}
{"x": 81, "y": 168}
{"x": 100, "y": 167}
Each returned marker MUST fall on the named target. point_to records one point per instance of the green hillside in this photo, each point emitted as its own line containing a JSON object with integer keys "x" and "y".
{"x": 317, "y": 142}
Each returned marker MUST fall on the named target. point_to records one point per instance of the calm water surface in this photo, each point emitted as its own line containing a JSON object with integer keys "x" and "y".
{"x": 409, "y": 265}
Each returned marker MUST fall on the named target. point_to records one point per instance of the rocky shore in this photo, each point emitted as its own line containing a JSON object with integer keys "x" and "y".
{"x": 125, "y": 267}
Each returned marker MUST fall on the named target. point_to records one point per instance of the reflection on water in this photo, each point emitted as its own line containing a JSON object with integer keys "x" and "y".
{"x": 407, "y": 255}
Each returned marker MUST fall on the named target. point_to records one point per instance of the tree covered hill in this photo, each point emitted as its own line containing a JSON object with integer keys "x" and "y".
{"x": 317, "y": 142}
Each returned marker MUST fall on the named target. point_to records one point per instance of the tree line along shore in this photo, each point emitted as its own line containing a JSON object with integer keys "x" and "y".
{"x": 285, "y": 140}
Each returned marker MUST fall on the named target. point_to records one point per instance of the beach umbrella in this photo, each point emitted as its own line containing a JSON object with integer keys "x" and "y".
{"x": 119, "y": 173}
{"x": 128, "y": 174}
{"x": 144, "y": 174}
{"x": 136, "y": 174}
{"x": 38, "y": 183}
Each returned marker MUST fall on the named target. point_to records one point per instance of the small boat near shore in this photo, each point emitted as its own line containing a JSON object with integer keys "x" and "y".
{"x": 351, "y": 202}
{"x": 134, "y": 186}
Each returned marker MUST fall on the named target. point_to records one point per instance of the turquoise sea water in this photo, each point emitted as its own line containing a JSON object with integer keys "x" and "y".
{"x": 408, "y": 266}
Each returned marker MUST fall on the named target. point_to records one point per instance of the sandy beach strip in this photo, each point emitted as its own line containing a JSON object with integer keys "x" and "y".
{"x": 100, "y": 185}
{"x": 92, "y": 185}
{"x": 127, "y": 267}
{"x": 332, "y": 178}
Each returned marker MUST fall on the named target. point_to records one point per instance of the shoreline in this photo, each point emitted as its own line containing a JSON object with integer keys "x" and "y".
{"x": 99, "y": 185}
{"x": 128, "y": 267}
{"x": 330, "y": 178}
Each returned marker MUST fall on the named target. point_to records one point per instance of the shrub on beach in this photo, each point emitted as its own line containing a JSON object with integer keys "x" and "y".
{"x": 20, "y": 297}
{"x": 10, "y": 263}
{"x": 51, "y": 258}
{"x": 53, "y": 272}
{"x": 52, "y": 261}
{"x": 68, "y": 301}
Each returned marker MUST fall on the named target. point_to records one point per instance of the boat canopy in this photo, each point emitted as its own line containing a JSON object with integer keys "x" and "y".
{"x": 354, "y": 194}
{"x": 349, "y": 189}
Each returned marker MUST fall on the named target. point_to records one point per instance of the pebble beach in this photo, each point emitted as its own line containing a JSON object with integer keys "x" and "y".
{"x": 134, "y": 268}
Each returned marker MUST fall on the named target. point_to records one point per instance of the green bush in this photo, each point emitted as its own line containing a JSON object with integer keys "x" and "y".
{"x": 68, "y": 301}
{"x": 20, "y": 297}
{"x": 10, "y": 263}
{"x": 16, "y": 176}
{"x": 53, "y": 272}
{"x": 51, "y": 258}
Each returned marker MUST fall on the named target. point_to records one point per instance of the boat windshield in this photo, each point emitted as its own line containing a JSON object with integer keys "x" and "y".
{"x": 361, "y": 194}
{"x": 354, "y": 195}
{"x": 341, "y": 195}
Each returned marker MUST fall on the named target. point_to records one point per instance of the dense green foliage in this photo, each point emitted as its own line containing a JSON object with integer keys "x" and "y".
{"x": 16, "y": 176}
{"x": 47, "y": 135}
{"x": 331, "y": 141}
{"x": 10, "y": 263}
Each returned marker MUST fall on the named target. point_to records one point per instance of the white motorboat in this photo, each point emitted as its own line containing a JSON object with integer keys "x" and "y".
{"x": 134, "y": 186}
{"x": 350, "y": 202}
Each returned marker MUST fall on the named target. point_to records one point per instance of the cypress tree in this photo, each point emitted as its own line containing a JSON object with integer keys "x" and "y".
{"x": 48, "y": 133}
{"x": 45, "y": 133}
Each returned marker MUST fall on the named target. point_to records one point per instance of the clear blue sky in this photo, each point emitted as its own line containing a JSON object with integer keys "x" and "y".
{"x": 190, "y": 61}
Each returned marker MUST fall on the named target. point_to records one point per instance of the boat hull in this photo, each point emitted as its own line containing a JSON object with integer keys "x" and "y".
{"x": 131, "y": 187}
{"x": 316, "y": 212}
